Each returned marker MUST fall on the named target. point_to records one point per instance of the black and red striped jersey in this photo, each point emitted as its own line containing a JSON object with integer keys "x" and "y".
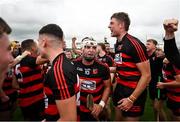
{"x": 91, "y": 80}
{"x": 128, "y": 52}
{"x": 7, "y": 84}
{"x": 177, "y": 70}
{"x": 168, "y": 76}
{"x": 106, "y": 59}
{"x": 30, "y": 81}
{"x": 61, "y": 83}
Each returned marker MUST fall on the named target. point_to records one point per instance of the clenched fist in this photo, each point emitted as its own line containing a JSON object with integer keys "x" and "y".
{"x": 170, "y": 25}
{"x": 74, "y": 39}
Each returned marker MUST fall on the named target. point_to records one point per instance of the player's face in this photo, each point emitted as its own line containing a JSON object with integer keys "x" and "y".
{"x": 107, "y": 47}
{"x": 160, "y": 53}
{"x": 89, "y": 52}
{"x": 115, "y": 27}
{"x": 150, "y": 46}
{"x": 68, "y": 55}
{"x": 5, "y": 51}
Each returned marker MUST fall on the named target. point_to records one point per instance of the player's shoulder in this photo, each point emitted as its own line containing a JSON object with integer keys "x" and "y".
{"x": 100, "y": 64}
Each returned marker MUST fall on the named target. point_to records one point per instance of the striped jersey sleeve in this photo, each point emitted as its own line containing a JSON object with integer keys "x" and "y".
{"x": 63, "y": 86}
{"x": 138, "y": 51}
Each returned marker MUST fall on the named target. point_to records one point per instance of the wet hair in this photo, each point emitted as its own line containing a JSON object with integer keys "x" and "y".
{"x": 4, "y": 27}
{"x": 52, "y": 29}
{"x": 123, "y": 17}
{"x": 153, "y": 41}
{"x": 102, "y": 45}
{"x": 27, "y": 44}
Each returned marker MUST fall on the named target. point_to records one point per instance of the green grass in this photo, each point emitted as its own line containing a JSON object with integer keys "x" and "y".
{"x": 18, "y": 115}
{"x": 148, "y": 113}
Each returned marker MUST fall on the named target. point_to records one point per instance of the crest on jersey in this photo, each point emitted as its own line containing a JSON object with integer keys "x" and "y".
{"x": 118, "y": 58}
{"x": 95, "y": 71}
{"x": 119, "y": 47}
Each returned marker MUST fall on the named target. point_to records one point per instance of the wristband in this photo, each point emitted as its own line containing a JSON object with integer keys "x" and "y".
{"x": 102, "y": 103}
{"x": 130, "y": 100}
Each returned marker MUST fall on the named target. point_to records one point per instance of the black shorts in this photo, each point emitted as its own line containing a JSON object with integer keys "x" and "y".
{"x": 8, "y": 105}
{"x": 174, "y": 107}
{"x": 34, "y": 112}
{"x": 86, "y": 116}
{"x": 138, "y": 106}
{"x": 13, "y": 97}
{"x": 52, "y": 117}
{"x": 5, "y": 106}
{"x": 153, "y": 93}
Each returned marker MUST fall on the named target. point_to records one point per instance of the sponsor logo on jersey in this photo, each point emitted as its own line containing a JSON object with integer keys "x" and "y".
{"x": 79, "y": 69}
{"x": 88, "y": 85}
{"x": 118, "y": 58}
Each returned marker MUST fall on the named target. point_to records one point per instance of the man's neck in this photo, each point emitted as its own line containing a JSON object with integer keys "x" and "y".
{"x": 53, "y": 54}
{"x": 121, "y": 36}
{"x": 33, "y": 54}
{"x": 87, "y": 62}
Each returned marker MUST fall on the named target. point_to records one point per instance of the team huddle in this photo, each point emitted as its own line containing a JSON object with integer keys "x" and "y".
{"x": 53, "y": 83}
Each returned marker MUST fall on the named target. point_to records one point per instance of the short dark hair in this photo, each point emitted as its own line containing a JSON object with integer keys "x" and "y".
{"x": 52, "y": 29}
{"x": 89, "y": 38}
{"x": 102, "y": 45}
{"x": 4, "y": 27}
{"x": 27, "y": 44}
{"x": 153, "y": 41}
{"x": 106, "y": 43}
{"x": 124, "y": 17}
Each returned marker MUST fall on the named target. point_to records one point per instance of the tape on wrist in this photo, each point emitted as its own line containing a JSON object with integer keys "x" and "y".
{"x": 102, "y": 103}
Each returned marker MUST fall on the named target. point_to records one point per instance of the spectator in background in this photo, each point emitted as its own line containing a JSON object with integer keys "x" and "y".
{"x": 68, "y": 54}
{"x": 159, "y": 53}
{"x": 102, "y": 55}
{"x": 16, "y": 48}
{"x": 108, "y": 49}
{"x": 74, "y": 48}
{"x": 106, "y": 59}
{"x": 156, "y": 63}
